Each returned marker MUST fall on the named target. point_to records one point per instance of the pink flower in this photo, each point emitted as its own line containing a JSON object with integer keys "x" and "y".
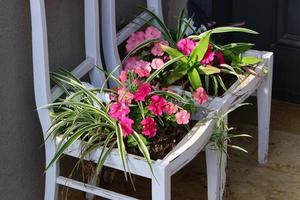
{"x": 142, "y": 69}
{"x": 126, "y": 125}
{"x": 157, "y": 63}
{"x": 200, "y": 95}
{"x": 143, "y": 91}
{"x": 208, "y": 57}
{"x": 134, "y": 40}
{"x": 170, "y": 108}
{"x": 130, "y": 63}
{"x": 118, "y": 110}
{"x": 157, "y": 50}
{"x": 157, "y": 105}
{"x": 149, "y": 127}
{"x": 125, "y": 95}
{"x": 182, "y": 117}
{"x": 220, "y": 57}
{"x": 123, "y": 76}
{"x": 186, "y": 46}
{"x": 152, "y": 33}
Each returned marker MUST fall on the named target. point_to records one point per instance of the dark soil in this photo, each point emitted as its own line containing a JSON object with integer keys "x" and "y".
{"x": 165, "y": 141}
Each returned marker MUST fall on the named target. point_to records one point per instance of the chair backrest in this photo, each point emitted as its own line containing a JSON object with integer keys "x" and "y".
{"x": 111, "y": 39}
{"x": 43, "y": 93}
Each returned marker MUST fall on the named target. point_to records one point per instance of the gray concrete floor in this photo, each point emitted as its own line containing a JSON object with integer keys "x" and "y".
{"x": 279, "y": 179}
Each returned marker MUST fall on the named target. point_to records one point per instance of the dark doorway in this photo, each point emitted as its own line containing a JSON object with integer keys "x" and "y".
{"x": 278, "y": 22}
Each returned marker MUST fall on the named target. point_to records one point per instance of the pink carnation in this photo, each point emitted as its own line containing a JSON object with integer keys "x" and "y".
{"x": 123, "y": 76}
{"x": 118, "y": 110}
{"x": 152, "y": 33}
{"x": 200, "y": 95}
{"x": 157, "y": 50}
{"x": 209, "y": 56}
{"x": 182, "y": 117}
{"x": 126, "y": 125}
{"x": 186, "y": 46}
{"x": 130, "y": 63}
{"x": 220, "y": 57}
{"x": 125, "y": 95}
{"x": 157, "y": 63}
{"x": 149, "y": 127}
{"x": 170, "y": 108}
{"x": 142, "y": 69}
{"x": 143, "y": 91}
{"x": 157, "y": 105}
{"x": 134, "y": 40}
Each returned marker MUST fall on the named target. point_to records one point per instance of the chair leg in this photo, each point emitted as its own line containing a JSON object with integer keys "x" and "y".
{"x": 216, "y": 175}
{"x": 264, "y": 96}
{"x": 161, "y": 186}
{"x": 51, "y": 188}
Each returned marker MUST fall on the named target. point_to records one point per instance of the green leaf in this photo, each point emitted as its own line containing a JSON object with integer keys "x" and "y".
{"x": 200, "y": 50}
{"x": 194, "y": 78}
{"x": 238, "y": 48}
{"x": 143, "y": 149}
{"x": 224, "y": 29}
{"x": 155, "y": 73}
{"x": 215, "y": 85}
{"x": 173, "y": 53}
{"x": 250, "y": 60}
{"x": 180, "y": 71}
{"x": 221, "y": 82}
{"x": 209, "y": 70}
{"x": 121, "y": 149}
{"x": 70, "y": 141}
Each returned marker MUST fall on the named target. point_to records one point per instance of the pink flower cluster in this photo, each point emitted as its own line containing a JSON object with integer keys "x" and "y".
{"x": 140, "y": 36}
{"x": 186, "y": 46}
{"x": 157, "y": 106}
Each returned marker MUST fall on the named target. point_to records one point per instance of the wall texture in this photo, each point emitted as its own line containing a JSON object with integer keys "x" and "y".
{"x": 21, "y": 153}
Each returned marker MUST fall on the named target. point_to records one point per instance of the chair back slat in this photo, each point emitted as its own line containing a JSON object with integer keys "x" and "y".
{"x": 43, "y": 93}
{"x": 92, "y": 40}
{"x": 40, "y": 61}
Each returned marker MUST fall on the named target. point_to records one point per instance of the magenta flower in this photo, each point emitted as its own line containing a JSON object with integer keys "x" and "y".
{"x": 134, "y": 40}
{"x": 157, "y": 105}
{"x": 124, "y": 95}
{"x": 126, "y": 125}
{"x": 170, "y": 108}
{"x": 186, "y": 46}
{"x": 220, "y": 57}
{"x": 142, "y": 69}
{"x": 157, "y": 50}
{"x": 123, "y": 76}
{"x": 200, "y": 95}
{"x": 157, "y": 63}
{"x": 182, "y": 117}
{"x": 118, "y": 110}
{"x": 152, "y": 33}
{"x": 149, "y": 127}
{"x": 209, "y": 56}
{"x": 143, "y": 91}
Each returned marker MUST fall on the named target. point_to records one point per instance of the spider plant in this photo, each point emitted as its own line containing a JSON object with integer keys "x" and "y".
{"x": 83, "y": 115}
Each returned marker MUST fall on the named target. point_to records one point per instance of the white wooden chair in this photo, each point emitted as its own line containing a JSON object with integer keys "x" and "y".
{"x": 185, "y": 151}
